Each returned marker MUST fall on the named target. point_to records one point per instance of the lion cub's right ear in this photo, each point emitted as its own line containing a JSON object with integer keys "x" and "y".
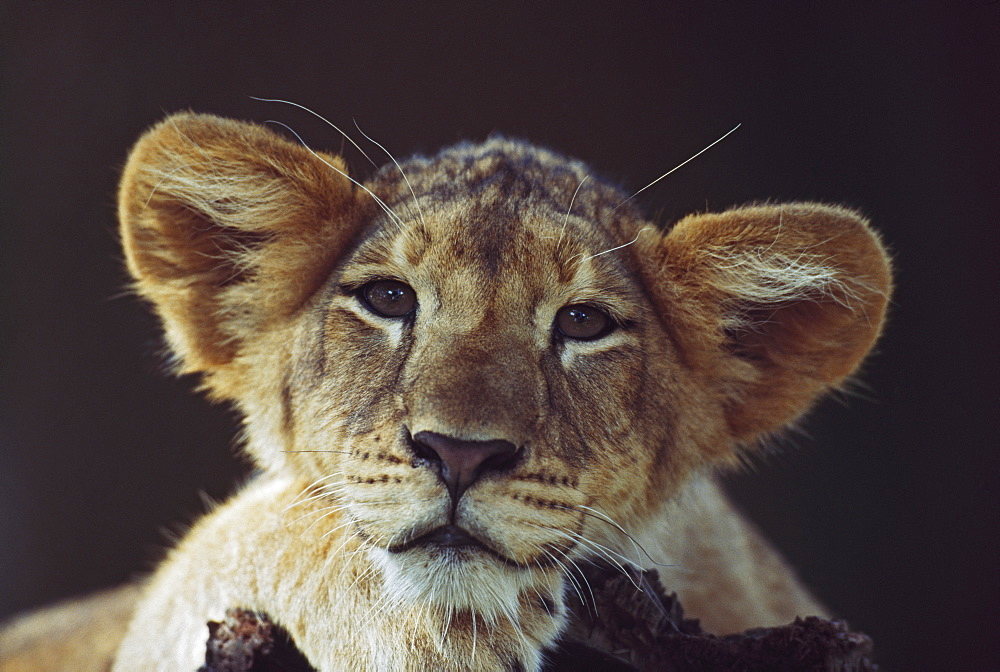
{"x": 228, "y": 228}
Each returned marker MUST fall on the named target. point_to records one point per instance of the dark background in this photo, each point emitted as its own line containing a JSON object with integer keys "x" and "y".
{"x": 886, "y": 503}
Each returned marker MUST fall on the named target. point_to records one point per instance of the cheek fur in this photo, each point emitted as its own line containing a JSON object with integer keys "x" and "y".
{"x": 363, "y": 364}
{"x": 607, "y": 386}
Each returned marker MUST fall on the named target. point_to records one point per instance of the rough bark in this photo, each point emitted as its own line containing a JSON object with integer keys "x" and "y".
{"x": 632, "y": 624}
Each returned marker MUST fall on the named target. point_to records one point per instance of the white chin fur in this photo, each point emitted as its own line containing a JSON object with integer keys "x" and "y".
{"x": 455, "y": 580}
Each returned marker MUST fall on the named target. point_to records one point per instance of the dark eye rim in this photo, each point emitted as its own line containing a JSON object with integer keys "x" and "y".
{"x": 361, "y": 293}
{"x": 610, "y": 325}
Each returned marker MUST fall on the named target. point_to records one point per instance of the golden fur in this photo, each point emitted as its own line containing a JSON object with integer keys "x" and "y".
{"x": 257, "y": 254}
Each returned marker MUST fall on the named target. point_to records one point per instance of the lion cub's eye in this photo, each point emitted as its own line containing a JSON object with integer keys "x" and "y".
{"x": 583, "y": 323}
{"x": 389, "y": 298}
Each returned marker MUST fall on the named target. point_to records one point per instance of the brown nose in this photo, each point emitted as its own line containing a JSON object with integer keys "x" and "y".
{"x": 463, "y": 462}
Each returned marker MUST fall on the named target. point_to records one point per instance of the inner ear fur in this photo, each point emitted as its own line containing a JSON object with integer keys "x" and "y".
{"x": 773, "y": 304}
{"x": 227, "y": 229}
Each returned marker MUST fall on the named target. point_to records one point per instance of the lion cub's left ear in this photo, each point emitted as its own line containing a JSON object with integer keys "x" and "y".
{"x": 228, "y": 228}
{"x": 772, "y": 304}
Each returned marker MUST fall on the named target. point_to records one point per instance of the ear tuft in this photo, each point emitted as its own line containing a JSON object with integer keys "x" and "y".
{"x": 775, "y": 304}
{"x": 228, "y": 228}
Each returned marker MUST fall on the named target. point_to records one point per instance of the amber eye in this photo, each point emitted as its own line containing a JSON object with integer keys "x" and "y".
{"x": 389, "y": 298}
{"x": 583, "y": 323}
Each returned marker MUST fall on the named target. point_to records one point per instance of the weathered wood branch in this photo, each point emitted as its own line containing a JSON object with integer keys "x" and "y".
{"x": 624, "y": 629}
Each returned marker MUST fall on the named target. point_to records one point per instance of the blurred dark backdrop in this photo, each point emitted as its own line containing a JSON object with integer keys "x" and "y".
{"x": 886, "y": 504}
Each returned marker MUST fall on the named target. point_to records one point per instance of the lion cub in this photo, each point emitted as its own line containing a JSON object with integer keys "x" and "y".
{"x": 464, "y": 377}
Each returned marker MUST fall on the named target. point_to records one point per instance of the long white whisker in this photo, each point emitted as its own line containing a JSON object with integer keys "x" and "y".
{"x": 386, "y": 208}
{"x": 314, "y": 512}
{"x": 370, "y": 571}
{"x": 609, "y": 554}
{"x": 473, "y": 614}
{"x": 577, "y": 588}
{"x": 301, "y": 498}
{"x": 321, "y": 117}
{"x": 674, "y": 169}
{"x": 641, "y": 231}
{"x": 600, "y": 548}
{"x": 590, "y": 589}
{"x": 398, "y": 167}
{"x": 350, "y": 522}
{"x": 610, "y": 521}
{"x": 568, "y": 573}
{"x": 339, "y": 452}
{"x": 541, "y": 598}
{"x": 323, "y": 491}
{"x": 376, "y": 608}
{"x": 569, "y": 210}
{"x": 329, "y": 511}
{"x": 447, "y": 625}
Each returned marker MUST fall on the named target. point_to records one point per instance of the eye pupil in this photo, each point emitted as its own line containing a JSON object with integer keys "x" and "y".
{"x": 389, "y": 298}
{"x": 583, "y": 323}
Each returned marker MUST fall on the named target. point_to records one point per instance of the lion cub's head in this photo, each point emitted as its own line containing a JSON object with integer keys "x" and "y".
{"x": 490, "y": 367}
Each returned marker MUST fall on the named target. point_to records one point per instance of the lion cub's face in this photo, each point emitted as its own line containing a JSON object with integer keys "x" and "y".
{"x": 493, "y": 369}
{"x": 488, "y": 383}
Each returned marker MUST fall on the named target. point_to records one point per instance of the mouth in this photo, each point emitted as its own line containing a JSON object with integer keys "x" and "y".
{"x": 452, "y": 543}
{"x": 446, "y": 536}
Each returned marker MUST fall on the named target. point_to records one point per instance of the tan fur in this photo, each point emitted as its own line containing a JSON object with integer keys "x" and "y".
{"x": 80, "y": 635}
{"x": 253, "y": 250}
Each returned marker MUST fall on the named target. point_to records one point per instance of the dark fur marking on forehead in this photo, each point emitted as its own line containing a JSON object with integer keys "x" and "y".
{"x": 418, "y": 239}
{"x": 487, "y": 195}
{"x": 495, "y": 234}
{"x": 520, "y": 169}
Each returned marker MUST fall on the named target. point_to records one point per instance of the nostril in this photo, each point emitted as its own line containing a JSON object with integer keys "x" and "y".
{"x": 501, "y": 461}
{"x": 463, "y": 462}
{"x": 422, "y": 450}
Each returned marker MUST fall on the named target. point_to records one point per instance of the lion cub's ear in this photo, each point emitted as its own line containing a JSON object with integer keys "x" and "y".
{"x": 228, "y": 228}
{"x": 773, "y": 304}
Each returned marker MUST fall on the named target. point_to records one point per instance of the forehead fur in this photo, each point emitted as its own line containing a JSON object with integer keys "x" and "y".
{"x": 500, "y": 169}
{"x": 499, "y": 206}
{"x": 503, "y": 179}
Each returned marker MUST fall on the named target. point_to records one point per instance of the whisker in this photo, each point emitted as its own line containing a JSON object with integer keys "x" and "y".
{"x": 566, "y": 571}
{"x": 613, "y": 249}
{"x": 634, "y": 572}
{"x": 309, "y": 489}
{"x": 389, "y": 211}
{"x": 341, "y": 452}
{"x": 473, "y": 614}
{"x": 600, "y": 548}
{"x": 590, "y": 589}
{"x": 447, "y": 625}
{"x": 313, "y": 513}
{"x": 544, "y": 602}
{"x": 371, "y": 569}
{"x": 328, "y": 512}
{"x": 569, "y": 210}
{"x": 322, "y": 118}
{"x": 398, "y": 167}
{"x": 674, "y": 169}
{"x": 603, "y": 517}
{"x": 375, "y": 609}
{"x": 609, "y": 554}
{"x": 573, "y": 580}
